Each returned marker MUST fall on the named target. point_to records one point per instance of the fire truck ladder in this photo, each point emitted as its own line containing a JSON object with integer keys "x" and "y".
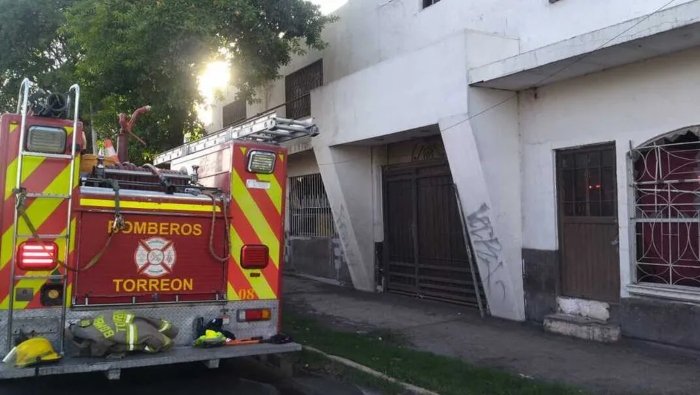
{"x": 21, "y": 193}
{"x": 266, "y": 128}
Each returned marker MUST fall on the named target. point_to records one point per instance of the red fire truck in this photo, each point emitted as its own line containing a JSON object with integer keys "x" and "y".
{"x": 203, "y": 238}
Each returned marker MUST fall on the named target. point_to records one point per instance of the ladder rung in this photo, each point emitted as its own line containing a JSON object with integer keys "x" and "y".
{"x": 47, "y": 195}
{"x": 49, "y": 277}
{"x": 44, "y": 155}
{"x": 43, "y": 237}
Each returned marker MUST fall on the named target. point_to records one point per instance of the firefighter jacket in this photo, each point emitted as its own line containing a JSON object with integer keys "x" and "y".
{"x": 120, "y": 332}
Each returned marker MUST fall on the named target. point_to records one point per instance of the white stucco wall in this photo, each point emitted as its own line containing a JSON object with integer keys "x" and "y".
{"x": 410, "y": 91}
{"x": 392, "y": 66}
{"x": 539, "y": 23}
{"x": 301, "y": 164}
{"x": 626, "y": 105}
{"x": 371, "y": 32}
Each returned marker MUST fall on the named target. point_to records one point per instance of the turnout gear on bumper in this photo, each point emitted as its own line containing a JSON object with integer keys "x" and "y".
{"x": 210, "y": 339}
{"x": 121, "y": 332}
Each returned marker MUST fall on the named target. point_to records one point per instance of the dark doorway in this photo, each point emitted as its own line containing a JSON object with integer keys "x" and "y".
{"x": 588, "y": 228}
{"x": 424, "y": 251}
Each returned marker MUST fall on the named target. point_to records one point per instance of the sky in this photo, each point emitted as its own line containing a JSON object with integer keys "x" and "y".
{"x": 329, "y": 5}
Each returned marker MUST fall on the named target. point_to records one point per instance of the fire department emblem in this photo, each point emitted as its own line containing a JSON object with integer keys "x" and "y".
{"x": 155, "y": 257}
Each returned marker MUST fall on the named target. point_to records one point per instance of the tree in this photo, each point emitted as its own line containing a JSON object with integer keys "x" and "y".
{"x": 30, "y": 46}
{"x": 129, "y": 53}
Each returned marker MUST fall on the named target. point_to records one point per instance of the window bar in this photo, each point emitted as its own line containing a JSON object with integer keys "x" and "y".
{"x": 670, "y": 239}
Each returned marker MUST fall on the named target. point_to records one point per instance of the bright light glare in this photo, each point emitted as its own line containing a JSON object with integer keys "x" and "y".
{"x": 328, "y": 6}
{"x": 216, "y": 78}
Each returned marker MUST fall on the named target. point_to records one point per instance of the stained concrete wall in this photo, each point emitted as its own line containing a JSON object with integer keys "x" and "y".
{"x": 387, "y": 91}
{"x": 627, "y": 105}
{"x": 370, "y": 32}
{"x": 350, "y": 172}
{"x": 392, "y": 66}
{"x": 301, "y": 164}
{"x": 541, "y": 273}
{"x": 662, "y": 321}
{"x": 484, "y": 155}
{"x": 318, "y": 257}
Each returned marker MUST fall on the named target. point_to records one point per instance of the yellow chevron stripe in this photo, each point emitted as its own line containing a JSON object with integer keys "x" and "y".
{"x": 256, "y": 218}
{"x": 31, "y": 163}
{"x": 275, "y": 191}
{"x": 255, "y": 277}
{"x": 260, "y": 285}
{"x": 71, "y": 249}
{"x": 67, "y": 296}
{"x": 76, "y": 174}
{"x": 39, "y": 211}
{"x": 231, "y": 293}
{"x": 147, "y": 205}
{"x": 36, "y": 284}
{"x": 73, "y": 227}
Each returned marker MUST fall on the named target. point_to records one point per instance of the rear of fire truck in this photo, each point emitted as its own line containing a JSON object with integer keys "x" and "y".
{"x": 198, "y": 242}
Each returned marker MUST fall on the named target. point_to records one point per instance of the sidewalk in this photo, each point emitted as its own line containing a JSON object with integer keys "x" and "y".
{"x": 627, "y": 367}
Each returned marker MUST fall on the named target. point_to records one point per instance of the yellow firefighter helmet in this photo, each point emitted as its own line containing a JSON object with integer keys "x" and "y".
{"x": 33, "y": 351}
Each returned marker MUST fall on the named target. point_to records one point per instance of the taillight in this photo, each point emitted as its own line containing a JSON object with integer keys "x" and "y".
{"x": 37, "y": 256}
{"x": 254, "y": 256}
{"x": 254, "y": 315}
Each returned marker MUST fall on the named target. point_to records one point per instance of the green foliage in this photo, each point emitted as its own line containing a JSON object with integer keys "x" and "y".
{"x": 388, "y": 353}
{"x": 30, "y": 48}
{"x": 130, "y": 53}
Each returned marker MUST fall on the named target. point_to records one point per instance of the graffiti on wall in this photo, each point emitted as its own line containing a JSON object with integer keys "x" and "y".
{"x": 487, "y": 249}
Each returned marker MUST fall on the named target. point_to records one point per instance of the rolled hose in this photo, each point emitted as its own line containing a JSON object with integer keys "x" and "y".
{"x": 49, "y": 105}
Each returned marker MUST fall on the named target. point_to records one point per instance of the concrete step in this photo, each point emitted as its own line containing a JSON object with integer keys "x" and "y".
{"x": 582, "y": 327}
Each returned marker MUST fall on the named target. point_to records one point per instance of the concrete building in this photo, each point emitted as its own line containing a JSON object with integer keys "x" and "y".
{"x": 560, "y": 135}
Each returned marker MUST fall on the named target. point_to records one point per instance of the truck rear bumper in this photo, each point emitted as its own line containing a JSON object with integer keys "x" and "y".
{"x": 210, "y": 356}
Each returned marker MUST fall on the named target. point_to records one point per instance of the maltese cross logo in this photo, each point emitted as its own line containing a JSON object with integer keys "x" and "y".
{"x": 155, "y": 257}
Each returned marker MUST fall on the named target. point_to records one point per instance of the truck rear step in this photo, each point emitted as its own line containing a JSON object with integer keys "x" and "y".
{"x": 112, "y": 368}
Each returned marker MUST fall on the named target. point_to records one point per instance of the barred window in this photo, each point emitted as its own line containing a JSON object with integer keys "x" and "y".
{"x": 297, "y": 88}
{"x": 309, "y": 210}
{"x": 667, "y": 209}
{"x": 234, "y": 112}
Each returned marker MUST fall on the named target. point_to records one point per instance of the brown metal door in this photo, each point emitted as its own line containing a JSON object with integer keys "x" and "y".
{"x": 424, "y": 249}
{"x": 588, "y": 228}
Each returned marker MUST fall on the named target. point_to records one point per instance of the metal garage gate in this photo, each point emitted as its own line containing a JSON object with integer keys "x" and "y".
{"x": 424, "y": 252}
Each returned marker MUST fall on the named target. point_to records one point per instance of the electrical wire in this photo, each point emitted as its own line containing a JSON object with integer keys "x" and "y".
{"x": 545, "y": 79}
{"x": 541, "y": 81}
